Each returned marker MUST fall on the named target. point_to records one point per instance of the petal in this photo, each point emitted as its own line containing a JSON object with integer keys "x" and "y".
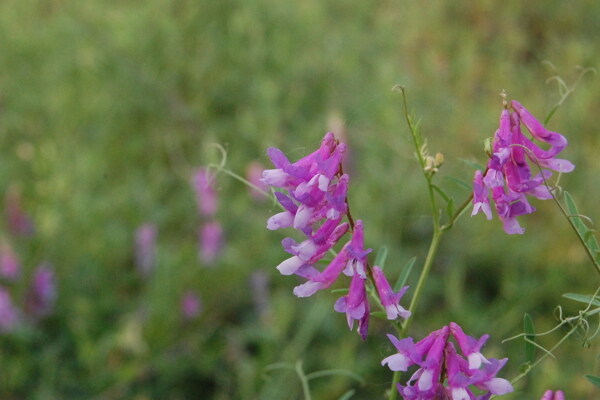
{"x": 499, "y": 386}
{"x": 397, "y": 362}
{"x": 291, "y": 265}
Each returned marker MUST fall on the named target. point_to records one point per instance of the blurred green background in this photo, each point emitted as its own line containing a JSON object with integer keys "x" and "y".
{"x": 107, "y": 107}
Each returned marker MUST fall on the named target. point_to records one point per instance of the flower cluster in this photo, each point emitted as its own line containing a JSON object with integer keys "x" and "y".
{"x": 550, "y": 395}
{"x": 509, "y": 176}
{"x": 145, "y": 248}
{"x": 37, "y": 303}
{"x": 210, "y": 235}
{"x": 442, "y": 372}
{"x": 315, "y": 204}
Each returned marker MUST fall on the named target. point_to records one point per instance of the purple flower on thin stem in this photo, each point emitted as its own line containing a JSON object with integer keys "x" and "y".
{"x": 550, "y": 395}
{"x": 190, "y": 305}
{"x": 42, "y": 292}
{"x": 145, "y": 248}
{"x": 18, "y": 221}
{"x": 206, "y": 195}
{"x": 211, "y": 241}
{"x": 9, "y": 315}
{"x": 314, "y": 202}
{"x": 509, "y": 176}
{"x": 442, "y": 372}
{"x": 389, "y": 300}
{"x": 10, "y": 266}
{"x": 355, "y": 305}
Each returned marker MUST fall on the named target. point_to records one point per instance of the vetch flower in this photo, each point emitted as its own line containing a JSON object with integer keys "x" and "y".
{"x": 18, "y": 221}
{"x": 9, "y": 315}
{"x": 145, "y": 248}
{"x": 211, "y": 241}
{"x": 389, "y": 300}
{"x": 10, "y": 266}
{"x": 314, "y": 202}
{"x": 206, "y": 196}
{"x": 550, "y": 395}
{"x": 509, "y": 175}
{"x": 41, "y": 295}
{"x": 190, "y": 305}
{"x": 442, "y": 372}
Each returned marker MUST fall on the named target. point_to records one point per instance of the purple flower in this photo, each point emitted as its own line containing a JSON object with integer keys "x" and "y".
{"x": 355, "y": 305}
{"x": 190, "y": 305}
{"x": 436, "y": 353}
{"x": 19, "y": 223}
{"x": 145, "y": 248}
{"x": 314, "y": 202}
{"x": 509, "y": 176}
{"x": 9, "y": 315}
{"x": 253, "y": 175}
{"x": 10, "y": 266}
{"x": 211, "y": 241}
{"x": 550, "y": 395}
{"x": 206, "y": 195}
{"x": 42, "y": 292}
{"x": 389, "y": 300}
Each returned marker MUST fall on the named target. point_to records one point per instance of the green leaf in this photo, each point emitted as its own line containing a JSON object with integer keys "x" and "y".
{"x": 472, "y": 164}
{"x": 459, "y": 182}
{"x": 583, "y": 298}
{"x": 441, "y": 192}
{"x": 381, "y": 257}
{"x": 594, "y": 379}
{"x": 530, "y": 335}
{"x": 342, "y": 290}
{"x": 379, "y": 314}
{"x": 348, "y": 394}
{"x": 405, "y": 273}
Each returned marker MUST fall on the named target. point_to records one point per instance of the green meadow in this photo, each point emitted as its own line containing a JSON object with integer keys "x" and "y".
{"x": 108, "y": 107}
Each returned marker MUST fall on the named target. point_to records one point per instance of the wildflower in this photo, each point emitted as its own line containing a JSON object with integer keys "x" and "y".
{"x": 314, "y": 202}
{"x": 211, "y": 240}
{"x": 145, "y": 248}
{"x": 10, "y": 266}
{"x": 509, "y": 176}
{"x": 18, "y": 221}
{"x": 9, "y": 315}
{"x": 253, "y": 175}
{"x": 550, "y": 395}
{"x": 206, "y": 196}
{"x": 389, "y": 300}
{"x": 42, "y": 292}
{"x": 436, "y": 356}
{"x": 190, "y": 305}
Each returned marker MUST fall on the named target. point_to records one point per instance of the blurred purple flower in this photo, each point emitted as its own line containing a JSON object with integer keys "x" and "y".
{"x": 145, "y": 248}
{"x": 550, "y": 395}
{"x": 259, "y": 285}
{"x": 254, "y": 175}
{"x": 509, "y": 177}
{"x": 434, "y": 354}
{"x": 10, "y": 266}
{"x": 41, "y": 294}
{"x": 211, "y": 242}
{"x": 9, "y": 315}
{"x": 19, "y": 223}
{"x": 190, "y": 305}
{"x": 206, "y": 196}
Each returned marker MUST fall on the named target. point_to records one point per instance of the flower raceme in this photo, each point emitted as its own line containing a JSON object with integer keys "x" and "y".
{"x": 314, "y": 202}
{"x": 509, "y": 177}
{"x": 442, "y": 372}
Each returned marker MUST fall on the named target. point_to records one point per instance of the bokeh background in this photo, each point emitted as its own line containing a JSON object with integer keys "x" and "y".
{"x": 108, "y": 107}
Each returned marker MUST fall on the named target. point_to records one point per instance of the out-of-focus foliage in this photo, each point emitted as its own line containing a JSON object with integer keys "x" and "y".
{"x": 107, "y": 107}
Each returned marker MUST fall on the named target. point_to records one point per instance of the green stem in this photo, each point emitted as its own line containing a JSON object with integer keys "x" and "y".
{"x": 433, "y": 247}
